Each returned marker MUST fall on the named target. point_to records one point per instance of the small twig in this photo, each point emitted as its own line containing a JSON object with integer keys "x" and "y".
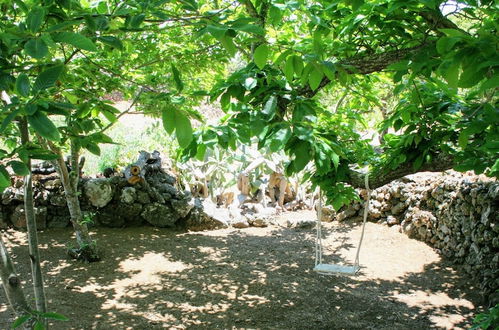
{"x": 419, "y": 95}
{"x": 124, "y": 112}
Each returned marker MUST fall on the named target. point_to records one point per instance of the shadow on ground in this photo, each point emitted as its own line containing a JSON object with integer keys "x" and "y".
{"x": 253, "y": 278}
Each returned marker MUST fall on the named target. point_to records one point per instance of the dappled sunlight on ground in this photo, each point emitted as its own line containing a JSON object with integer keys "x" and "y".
{"x": 251, "y": 278}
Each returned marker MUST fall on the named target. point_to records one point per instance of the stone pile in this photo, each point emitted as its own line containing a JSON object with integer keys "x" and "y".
{"x": 110, "y": 202}
{"x": 114, "y": 202}
{"x": 456, "y": 213}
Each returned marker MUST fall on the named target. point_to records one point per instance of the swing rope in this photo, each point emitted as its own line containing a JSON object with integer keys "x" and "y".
{"x": 318, "y": 240}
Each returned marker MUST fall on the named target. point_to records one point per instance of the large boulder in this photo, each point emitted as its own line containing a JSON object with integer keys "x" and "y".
{"x": 183, "y": 205}
{"x": 206, "y": 216}
{"x": 99, "y": 192}
{"x": 58, "y": 221}
{"x": 118, "y": 215}
{"x": 160, "y": 215}
{"x": 18, "y": 217}
{"x": 128, "y": 195}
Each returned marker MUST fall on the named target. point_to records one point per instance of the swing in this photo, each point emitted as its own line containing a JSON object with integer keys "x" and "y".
{"x": 337, "y": 269}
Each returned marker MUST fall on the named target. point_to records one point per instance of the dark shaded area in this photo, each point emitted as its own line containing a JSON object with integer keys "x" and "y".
{"x": 214, "y": 284}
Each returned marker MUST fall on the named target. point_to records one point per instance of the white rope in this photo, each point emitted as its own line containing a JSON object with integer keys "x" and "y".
{"x": 366, "y": 213}
{"x": 318, "y": 240}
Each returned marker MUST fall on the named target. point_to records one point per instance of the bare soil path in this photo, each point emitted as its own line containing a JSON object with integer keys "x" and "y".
{"x": 257, "y": 278}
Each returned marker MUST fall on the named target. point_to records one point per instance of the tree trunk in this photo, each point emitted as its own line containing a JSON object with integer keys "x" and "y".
{"x": 87, "y": 248}
{"x": 29, "y": 209}
{"x": 11, "y": 282}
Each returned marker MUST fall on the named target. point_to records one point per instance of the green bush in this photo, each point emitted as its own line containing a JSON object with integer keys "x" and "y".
{"x": 487, "y": 320}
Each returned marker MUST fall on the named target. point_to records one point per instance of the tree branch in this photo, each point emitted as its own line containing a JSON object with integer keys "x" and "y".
{"x": 365, "y": 64}
{"x": 383, "y": 175}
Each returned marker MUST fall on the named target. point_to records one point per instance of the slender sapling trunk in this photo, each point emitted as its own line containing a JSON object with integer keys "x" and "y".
{"x": 29, "y": 209}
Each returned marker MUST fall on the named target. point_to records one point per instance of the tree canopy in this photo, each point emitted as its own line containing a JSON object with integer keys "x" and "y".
{"x": 298, "y": 76}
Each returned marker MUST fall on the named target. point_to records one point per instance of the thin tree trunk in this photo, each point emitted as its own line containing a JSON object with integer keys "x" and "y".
{"x": 87, "y": 249}
{"x": 29, "y": 209}
{"x": 12, "y": 282}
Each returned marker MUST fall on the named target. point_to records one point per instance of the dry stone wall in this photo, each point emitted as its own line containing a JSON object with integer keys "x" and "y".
{"x": 110, "y": 202}
{"x": 456, "y": 213}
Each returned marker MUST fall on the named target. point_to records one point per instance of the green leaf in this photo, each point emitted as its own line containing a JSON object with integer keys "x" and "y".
{"x": 42, "y": 154}
{"x": 289, "y": 68}
{"x": 306, "y": 72}
{"x": 39, "y": 326}
{"x": 111, "y": 41}
{"x": 30, "y": 109}
{"x": 453, "y": 32}
{"x": 302, "y": 155}
{"x": 250, "y": 28}
{"x": 270, "y": 107}
{"x": 399, "y": 66}
{"x": 176, "y": 120}
{"x": 463, "y": 139}
{"x": 44, "y": 126}
{"x": 10, "y": 117}
{"x": 445, "y": 44}
{"x": 168, "y": 116}
{"x": 337, "y": 203}
{"x": 315, "y": 78}
{"x": 336, "y": 160}
{"x": 4, "y": 182}
{"x": 93, "y": 148}
{"x": 356, "y": 4}
{"x": 280, "y": 138}
{"x": 451, "y": 74}
{"x": 216, "y": 31}
{"x": 225, "y": 101}
{"x": 282, "y": 56}
{"x": 109, "y": 116}
{"x": 36, "y": 48}
{"x": 136, "y": 20}
{"x": 22, "y": 85}
{"x": 228, "y": 44}
{"x": 260, "y": 55}
{"x": 275, "y": 15}
{"x": 490, "y": 83}
{"x": 470, "y": 76}
{"x": 178, "y": 79}
{"x": 35, "y": 19}
{"x": 47, "y": 78}
{"x": 417, "y": 163}
{"x": 329, "y": 70}
{"x": 75, "y": 39}
{"x": 19, "y": 167}
{"x": 201, "y": 152}
{"x": 297, "y": 65}
{"x": 183, "y": 129}
{"x": 406, "y": 116}
{"x": 21, "y": 319}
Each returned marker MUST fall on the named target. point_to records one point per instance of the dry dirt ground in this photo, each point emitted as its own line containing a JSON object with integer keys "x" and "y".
{"x": 255, "y": 278}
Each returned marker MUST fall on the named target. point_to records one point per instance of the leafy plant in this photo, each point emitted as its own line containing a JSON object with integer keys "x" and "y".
{"x": 37, "y": 319}
{"x": 88, "y": 218}
{"x": 487, "y": 320}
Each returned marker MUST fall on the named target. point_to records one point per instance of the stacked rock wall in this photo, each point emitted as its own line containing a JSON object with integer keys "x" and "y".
{"x": 456, "y": 213}
{"x": 110, "y": 202}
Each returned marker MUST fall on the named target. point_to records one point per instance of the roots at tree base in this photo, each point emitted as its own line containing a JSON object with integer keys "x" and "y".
{"x": 85, "y": 253}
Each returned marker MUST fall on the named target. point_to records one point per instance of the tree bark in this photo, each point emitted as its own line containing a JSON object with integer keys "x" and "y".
{"x": 383, "y": 175}
{"x": 87, "y": 249}
{"x": 12, "y": 282}
{"x": 29, "y": 209}
{"x": 365, "y": 64}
